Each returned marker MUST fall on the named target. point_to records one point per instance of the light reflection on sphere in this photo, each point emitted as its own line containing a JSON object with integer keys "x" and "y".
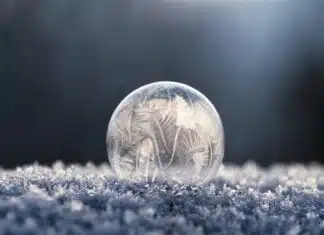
{"x": 165, "y": 131}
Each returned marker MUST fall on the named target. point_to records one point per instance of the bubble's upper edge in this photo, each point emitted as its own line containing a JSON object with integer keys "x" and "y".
{"x": 185, "y": 86}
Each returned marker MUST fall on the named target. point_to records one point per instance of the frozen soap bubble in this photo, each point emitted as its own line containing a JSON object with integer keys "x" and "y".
{"x": 166, "y": 131}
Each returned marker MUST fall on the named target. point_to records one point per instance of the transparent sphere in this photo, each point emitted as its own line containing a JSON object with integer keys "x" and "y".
{"x": 165, "y": 131}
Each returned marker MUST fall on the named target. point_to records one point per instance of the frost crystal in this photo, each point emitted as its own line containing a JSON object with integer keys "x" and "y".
{"x": 89, "y": 200}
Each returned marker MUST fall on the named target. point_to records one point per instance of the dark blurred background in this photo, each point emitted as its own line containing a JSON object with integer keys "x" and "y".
{"x": 65, "y": 65}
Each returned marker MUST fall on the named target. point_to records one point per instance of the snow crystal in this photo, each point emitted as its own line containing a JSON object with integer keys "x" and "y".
{"x": 282, "y": 199}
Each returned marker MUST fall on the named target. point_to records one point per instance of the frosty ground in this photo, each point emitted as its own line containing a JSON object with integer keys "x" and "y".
{"x": 89, "y": 200}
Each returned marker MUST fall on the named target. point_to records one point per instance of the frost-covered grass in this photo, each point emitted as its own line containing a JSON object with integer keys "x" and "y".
{"x": 89, "y": 200}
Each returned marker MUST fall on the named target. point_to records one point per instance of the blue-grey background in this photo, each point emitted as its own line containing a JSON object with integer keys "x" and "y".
{"x": 65, "y": 66}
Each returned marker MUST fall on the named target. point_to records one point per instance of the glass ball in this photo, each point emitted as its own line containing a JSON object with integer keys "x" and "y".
{"x": 165, "y": 131}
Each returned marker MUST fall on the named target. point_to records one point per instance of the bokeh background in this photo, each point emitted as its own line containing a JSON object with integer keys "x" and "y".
{"x": 65, "y": 65}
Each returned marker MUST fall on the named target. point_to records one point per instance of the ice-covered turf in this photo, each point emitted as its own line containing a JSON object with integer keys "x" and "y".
{"x": 89, "y": 200}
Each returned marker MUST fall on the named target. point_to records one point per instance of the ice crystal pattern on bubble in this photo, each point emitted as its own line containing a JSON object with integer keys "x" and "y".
{"x": 165, "y": 130}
